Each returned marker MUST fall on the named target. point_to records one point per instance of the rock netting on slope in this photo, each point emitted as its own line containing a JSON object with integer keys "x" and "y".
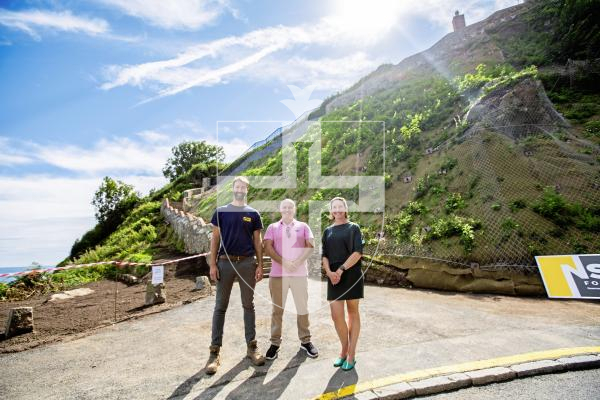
{"x": 516, "y": 111}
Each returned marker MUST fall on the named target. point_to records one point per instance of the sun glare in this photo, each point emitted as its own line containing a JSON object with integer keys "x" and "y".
{"x": 367, "y": 18}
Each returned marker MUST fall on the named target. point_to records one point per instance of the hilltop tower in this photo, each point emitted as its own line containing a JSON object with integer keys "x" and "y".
{"x": 458, "y": 22}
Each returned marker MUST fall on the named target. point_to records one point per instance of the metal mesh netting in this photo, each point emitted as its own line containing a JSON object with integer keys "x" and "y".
{"x": 502, "y": 172}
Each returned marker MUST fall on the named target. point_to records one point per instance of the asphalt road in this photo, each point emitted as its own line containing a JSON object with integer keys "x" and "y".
{"x": 163, "y": 355}
{"x": 573, "y": 385}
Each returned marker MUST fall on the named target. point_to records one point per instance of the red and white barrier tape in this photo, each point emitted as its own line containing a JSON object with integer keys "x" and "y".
{"x": 119, "y": 264}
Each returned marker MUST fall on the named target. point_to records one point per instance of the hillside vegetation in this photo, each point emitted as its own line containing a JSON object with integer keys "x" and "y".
{"x": 494, "y": 129}
{"x": 497, "y": 175}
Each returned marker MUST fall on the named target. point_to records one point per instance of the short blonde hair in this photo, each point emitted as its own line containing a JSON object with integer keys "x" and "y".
{"x": 343, "y": 200}
{"x": 242, "y": 179}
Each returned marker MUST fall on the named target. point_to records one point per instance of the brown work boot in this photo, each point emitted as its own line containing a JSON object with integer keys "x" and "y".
{"x": 214, "y": 360}
{"x": 254, "y": 355}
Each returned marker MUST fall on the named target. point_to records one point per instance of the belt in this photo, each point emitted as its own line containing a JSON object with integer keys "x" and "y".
{"x": 233, "y": 258}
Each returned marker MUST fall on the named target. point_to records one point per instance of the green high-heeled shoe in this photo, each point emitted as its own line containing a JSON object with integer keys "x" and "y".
{"x": 348, "y": 366}
{"x": 339, "y": 362}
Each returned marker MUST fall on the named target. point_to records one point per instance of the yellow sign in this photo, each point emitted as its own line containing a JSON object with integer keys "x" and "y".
{"x": 571, "y": 276}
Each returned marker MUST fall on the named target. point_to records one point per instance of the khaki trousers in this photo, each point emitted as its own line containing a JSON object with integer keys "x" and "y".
{"x": 279, "y": 287}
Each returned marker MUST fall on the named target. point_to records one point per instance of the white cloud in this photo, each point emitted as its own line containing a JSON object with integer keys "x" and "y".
{"x": 228, "y": 57}
{"x": 233, "y": 148}
{"x": 14, "y": 159}
{"x": 122, "y": 155}
{"x": 29, "y": 21}
{"x": 353, "y": 25}
{"x": 153, "y": 136}
{"x": 323, "y": 73}
{"x": 10, "y": 156}
{"x": 145, "y": 153}
{"x": 174, "y": 14}
{"x": 238, "y": 52}
{"x": 47, "y": 213}
{"x": 115, "y": 155}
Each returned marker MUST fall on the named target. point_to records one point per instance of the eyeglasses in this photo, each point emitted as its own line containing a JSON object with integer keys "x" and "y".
{"x": 288, "y": 231}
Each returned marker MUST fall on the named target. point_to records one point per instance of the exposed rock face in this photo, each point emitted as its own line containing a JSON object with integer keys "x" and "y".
{"x": 385, "y": 275}
{"x": 516, "y": 111}
{"x": 20, "y": 320}
{"x": 423, "y": 273}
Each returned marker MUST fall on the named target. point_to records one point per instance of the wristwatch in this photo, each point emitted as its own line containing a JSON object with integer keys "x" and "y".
{"x": 343, "y": 267}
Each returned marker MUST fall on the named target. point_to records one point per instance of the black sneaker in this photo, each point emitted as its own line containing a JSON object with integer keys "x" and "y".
{"x": 272, "y": 352}
{"x": 310, "y": 349}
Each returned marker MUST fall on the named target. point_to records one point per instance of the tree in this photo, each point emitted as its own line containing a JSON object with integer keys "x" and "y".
{"x": 187, "y": 154}
{"x": 413, "y": 128}
{"x": 113, "y": 199}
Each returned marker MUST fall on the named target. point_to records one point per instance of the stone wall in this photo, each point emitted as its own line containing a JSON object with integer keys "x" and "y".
{"x": 192, "y": 230}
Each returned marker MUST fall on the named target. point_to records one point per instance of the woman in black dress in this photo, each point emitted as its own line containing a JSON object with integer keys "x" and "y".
{"x": 342, "y": 251}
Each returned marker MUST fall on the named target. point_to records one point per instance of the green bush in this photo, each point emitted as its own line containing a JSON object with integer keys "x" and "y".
{"x": 553, "y": 207}
{"x": 388, "y": 181}
{"x": 423, "y": 185}
{"x": 582, "y": 111}
{"x": 455, "y": 226}
{"x": 517, "y": 205}
{"x": 415, "y": 208}
{"x": 449, "y": 163}
{"x": 79, "y": 276}
{"x": 592, "y": 128}
{"x": 511, "y": 78}
{"x": 400, "y": 225}
{"x": 454, "y": 202}
{"x": 509, "y": 224}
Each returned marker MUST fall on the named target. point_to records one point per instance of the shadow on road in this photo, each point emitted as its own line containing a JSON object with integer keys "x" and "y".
{"x": 341, "y": 379}
{"x": 248, "y": 388}
{"x": 252, "y": 388}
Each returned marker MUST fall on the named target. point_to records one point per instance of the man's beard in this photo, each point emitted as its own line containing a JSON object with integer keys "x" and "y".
{"x": 239, "y": 196}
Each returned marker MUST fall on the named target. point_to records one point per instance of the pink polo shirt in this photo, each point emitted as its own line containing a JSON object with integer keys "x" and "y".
{"x": 288, "y": 242}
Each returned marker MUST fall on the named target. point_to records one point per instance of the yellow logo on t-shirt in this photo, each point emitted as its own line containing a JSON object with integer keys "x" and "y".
{"x": 247, "y": 219}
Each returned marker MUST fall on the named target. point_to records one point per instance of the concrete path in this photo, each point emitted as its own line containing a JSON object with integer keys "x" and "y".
{"x": 163, "y": 355}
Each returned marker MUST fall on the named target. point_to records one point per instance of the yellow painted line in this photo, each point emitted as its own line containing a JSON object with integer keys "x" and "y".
{"x": 456, "y": 368}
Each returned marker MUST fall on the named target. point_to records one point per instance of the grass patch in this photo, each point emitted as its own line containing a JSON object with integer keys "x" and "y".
{"x": 555, "y": 208}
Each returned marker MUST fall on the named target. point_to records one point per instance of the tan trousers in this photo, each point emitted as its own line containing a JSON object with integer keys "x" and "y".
{"x": 279, "y": 287}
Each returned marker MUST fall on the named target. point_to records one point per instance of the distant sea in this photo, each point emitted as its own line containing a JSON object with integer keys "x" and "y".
{"x": 8, "y": 270}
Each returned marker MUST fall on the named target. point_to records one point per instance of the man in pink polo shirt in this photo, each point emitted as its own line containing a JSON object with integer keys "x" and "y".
{"x": 289, "y": 243}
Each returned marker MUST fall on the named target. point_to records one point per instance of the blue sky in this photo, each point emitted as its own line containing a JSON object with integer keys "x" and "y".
{"x": 108, "y": 87}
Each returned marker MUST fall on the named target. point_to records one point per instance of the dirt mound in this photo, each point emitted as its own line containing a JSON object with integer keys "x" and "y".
{"x": 109, "y": 302}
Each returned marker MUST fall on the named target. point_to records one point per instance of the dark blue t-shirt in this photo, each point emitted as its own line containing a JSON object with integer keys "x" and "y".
{"x": 237, "y": 225}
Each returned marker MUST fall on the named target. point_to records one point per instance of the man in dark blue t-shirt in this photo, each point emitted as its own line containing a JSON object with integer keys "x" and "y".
{"x": 235, "y": 241}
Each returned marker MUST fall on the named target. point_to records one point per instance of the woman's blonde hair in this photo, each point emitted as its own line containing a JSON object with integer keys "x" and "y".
{"x": 343, "y": 200}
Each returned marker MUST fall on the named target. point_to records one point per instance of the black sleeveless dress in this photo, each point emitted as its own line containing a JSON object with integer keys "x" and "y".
{"x": 339, "y": 241}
